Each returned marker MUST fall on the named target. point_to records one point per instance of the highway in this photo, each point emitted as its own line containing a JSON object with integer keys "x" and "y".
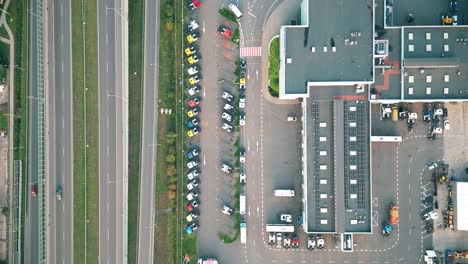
{"x": 148, "y": 133}
{"x": 31, "y": 230}
{"x": 60, "y": 135}
{"x": 113, "y": 125}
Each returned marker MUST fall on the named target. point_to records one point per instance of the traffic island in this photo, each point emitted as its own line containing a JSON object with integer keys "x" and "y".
{"x": 273, "y": 67}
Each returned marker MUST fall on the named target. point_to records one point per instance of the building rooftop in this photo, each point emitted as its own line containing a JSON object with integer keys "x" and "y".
{"x": 326, "y": 50}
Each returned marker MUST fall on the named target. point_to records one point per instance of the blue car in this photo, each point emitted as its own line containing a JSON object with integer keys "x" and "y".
{"x": 192, "y": 122}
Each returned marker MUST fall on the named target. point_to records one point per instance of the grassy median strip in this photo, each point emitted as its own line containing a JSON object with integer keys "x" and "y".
{"x": 85, "y": 239}
{"x": 135, "y": 55}
{"x": 273, "y": 70}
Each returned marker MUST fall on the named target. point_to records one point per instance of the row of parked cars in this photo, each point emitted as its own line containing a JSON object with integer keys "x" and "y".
{"x": 286, "y": 241}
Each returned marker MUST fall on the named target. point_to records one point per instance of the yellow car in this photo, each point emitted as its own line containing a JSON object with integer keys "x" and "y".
{"x": 193, "y": 59}
{"x": 242, "y": 81}
{"x": 192, "y": 132}
{"x": 193, "y": 112}
{"x": 192, "y": 38}
{"x": 193, "y": 80}
{"x": 190, "y": 50}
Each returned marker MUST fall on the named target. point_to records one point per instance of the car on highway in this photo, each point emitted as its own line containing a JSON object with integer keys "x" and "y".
{"x": 295, "y": 241}
{"x": 194, "y": 101}
{"x": 242, "y": 119}
{"x": 193, "y": 90}
{"x": 192, "y": 132}
{"x": 59, "y": 193}
{"x": 192, "y": 205}
{"x": 194, "y": 4}
{"x": 271, "y": 238}
{"x": 192, "y": 37}
{"x": 193, "y": 59}
{"x": 310, "y": 243}
{"x": 193, "y": 25}
{"x": 192, "y": 195}
{"x": 287, "y": 241}
{"x": 242, "y": 83}
{"x": 192, "y": 216}
{"x": 279, "y": 239}
{"x": 242, "y": 63}
{"x": 193, "y": 174}
{"x": 320, "y": 242}
{"x": 227, "y": 96}
{"x": 192, "y": 153}
{"x": 194, "y": 79}
{"x": 242, "y": 178}
{"x": 193, "y": 112}
{"x": 193, "y": 122}
{"x": 227, "y": 127}
{"x": 226, "y": 168}
{"x": 227, "y": 210}
{"x": 190, "y": 50}
{"x": 242, "y": 155}
{"x": 229, "y": 107}
{"x": 33, "y": 190}
{"x": 193, "y": 184}
{"x": 191, "y": 164}
{"x": 193, "y": 70}
{"x": 226, "y": 32}
{"x": 226, "y": 117}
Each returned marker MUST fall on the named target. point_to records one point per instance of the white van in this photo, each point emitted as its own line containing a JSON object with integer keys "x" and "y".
{"x": 235, "y": 10}
{"x": 284, "y": 193}
{"x": 242, "y": 204}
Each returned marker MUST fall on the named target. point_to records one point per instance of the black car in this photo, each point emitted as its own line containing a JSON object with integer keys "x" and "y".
{"x": 243, "y": 63}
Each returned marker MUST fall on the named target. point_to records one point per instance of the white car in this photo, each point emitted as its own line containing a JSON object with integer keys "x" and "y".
{"x": 446, "y": 125}
{"x": 192, "y": 70}
{"x": 271, "y": 238}
{"x": 226, "y": 117}
{"x": 242, "y": 119}
{"x": 191, "y": 164}
{"x": 320, "y": 242}
{"x": 431, "y": 215}
{"x": 193, "y": 90}
{"x": 242, "y": 155}
{"x": 310, "y": 243}
{"x": 287, "y": 242}
{"x": 286, "y": 218}
{"x": 227, "y": 96}
{"x": 229, "y": 107}
{"x": 193, "y": 25}
{"x": 192, "y": 195}
{"x": 279, "y": 238}
{"x": 228, "y": 210}
{"x": 193, "y": 184}
{"x": 193, "y": 174}
{"x": 226, "y": 168}
{"x": 227, "y": 127}
{"x": 432, "y": 165}
{"x": 242, "y": 178}
{"x": 241, "y": 102}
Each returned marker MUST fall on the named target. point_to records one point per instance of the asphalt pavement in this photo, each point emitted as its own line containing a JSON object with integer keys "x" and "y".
{"x": 112, "y": 105}
{"x": 149, "y": 132}
{"x": 61, "y": 132}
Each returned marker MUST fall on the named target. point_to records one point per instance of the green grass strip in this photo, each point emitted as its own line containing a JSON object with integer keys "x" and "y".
{"x": 273, "y": 70}
{"x": 228, "y": 14}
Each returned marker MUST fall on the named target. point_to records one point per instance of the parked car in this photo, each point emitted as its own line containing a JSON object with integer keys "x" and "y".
{"x": 271, "y": 238}
{"x": 59, "y": 193}
{"x": 192, "y": 205}
{"x": 190, "y": 50}
{"x": 242, "y": 178}
{"x": 310, "y": 243}
{"x": 226, "y": 168}
{"x": 287, "y": 241}
{"x": 227, "y": 96}
{"x": 430, "y": 216}
{"x": 242, "y": 155}
{"x": 192, "y": 153}
{"x": 286, "y": 218}
{"x": 193, "y": 70}
{"x": 193, "y": 59}
{"x": 242, "y": 119}
{"x": 193, "y": 122}
{"x": 279, "y": 239}
{"x": 242, "y": 83}
{"x": 227, "y": 210}
{"x": 242, "y": 100}
{"x": 194, "y": 101}
{"x": 193, "y": 174}
{"x": 192, "y": 37}
{"x": 320, "y": 242}
{"x": 227, "y": 127}
{"x": 446, "y": 125}
{"x": 193, "y": 112}
{"x": 194, "y": 79}
{"x": 193, "y": 25}
{"x": 191, "y": 164}
{"x": 229, "y": 107}
{"x": 193, "y": 184}
{"x": 226, "y": 117}
{"x": 33, "y": 190}
{"x": 192, "y": 216}
{"x": 226, "y": 32}
{"x": 192, "y": 227}
{"x": 193, "y": 90}
{"x": 192, "y": 195}
{"x": 295, "y": 241}
{"x": 432, "y": 165}
{"x": 192, "y": 132}
{"x": 242, "y": 63}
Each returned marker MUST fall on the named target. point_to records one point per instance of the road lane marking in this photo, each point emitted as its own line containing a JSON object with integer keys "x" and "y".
{"x": 203, "y": 26}
{"x": 256, "y": 72}
{"x": 204, "y": 160}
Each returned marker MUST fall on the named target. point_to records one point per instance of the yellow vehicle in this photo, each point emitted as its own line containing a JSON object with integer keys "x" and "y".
{"x": 446, "y": 20}
{"x": 190, "y": 50}
{"x": 193, "y": 112}
{"x": 193, "y": 80}
{"x": 394, "y": 113}
{"x": 193, "y": 59}
{"x": 242, "y": 81}
{"x": 192, "y": 132}
{"x": 192, "y": 38}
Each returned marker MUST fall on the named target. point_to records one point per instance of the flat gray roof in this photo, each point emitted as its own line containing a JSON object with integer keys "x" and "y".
{"x": 330, "y": 26}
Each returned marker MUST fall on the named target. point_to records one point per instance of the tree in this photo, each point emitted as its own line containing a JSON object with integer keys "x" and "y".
{"x": 169, "y": 10}
{"x": 171, "y": 195}
{"x": 171, "y": 170}
{"x": 170, "y": 158}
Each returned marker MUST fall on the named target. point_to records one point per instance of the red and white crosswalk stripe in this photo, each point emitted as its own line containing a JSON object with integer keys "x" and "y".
{"x": 251, "y": 51}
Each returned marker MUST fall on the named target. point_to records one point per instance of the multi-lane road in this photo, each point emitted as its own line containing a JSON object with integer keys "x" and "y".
{"x": 60, "y": 87}
{"x": 113, "y": 105}
{"x": 148, "y": 133}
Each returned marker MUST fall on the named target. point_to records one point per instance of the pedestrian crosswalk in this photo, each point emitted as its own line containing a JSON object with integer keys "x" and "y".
{"x": 251, "y": 51}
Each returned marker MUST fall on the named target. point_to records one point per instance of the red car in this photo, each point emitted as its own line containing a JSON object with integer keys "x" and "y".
{"x": 226, "y": 32}
{"x": 33, "y": 190}
{"x": 194, "y": 4}
{"x": 192, "y": 205}
{"x": 194, "y": 102}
